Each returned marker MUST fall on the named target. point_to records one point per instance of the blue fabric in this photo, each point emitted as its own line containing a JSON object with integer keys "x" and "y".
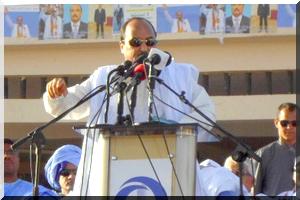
{"x": 24, "y": 188}
{"x": 59, "y": 168}
{"x": 227, "y": 193}
{"x": 66, "y": 153}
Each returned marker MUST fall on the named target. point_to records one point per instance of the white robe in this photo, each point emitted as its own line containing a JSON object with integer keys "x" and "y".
{"x": 180, "y": 77}
{"x": 213, "y": 179}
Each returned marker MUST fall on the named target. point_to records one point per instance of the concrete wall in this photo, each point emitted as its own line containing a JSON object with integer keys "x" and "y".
{"x": 254, "y": 52}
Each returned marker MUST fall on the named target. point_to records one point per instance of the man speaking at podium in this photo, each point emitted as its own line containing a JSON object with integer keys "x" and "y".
{"x": 138, "y": 36}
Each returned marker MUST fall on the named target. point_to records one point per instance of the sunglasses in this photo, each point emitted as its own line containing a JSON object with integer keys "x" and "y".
{"x": 67, "y": 172}
{"x": 136, "y": 42}
{"x": 285, "y": 123}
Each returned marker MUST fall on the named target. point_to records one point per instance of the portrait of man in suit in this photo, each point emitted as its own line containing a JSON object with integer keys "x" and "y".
{"x": 100, "y": 18}
{"x": 75, "y": 29}
{"x": 118, "y": 17}
{"x": 237, "y": 22}
{"x": 263, "y": 11}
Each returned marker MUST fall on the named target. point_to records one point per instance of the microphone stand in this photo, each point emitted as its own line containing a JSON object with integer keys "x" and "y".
{"x": 120, "y": 118}
{"x": 120, "y": 72}
{"x": 241, "y": 178}
{"x": 240, "y": 155}
{"x": 133, "y": 101}
{"x": 39, "y": 141}
{"x": 36, "y": 136}
{"x": 243, "y": 150}
{"x": 181, "y": 96}
{"x": 152, "y": 76}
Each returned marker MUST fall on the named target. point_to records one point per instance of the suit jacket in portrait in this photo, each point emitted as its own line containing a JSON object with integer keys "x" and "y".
{"x": 82, "y": 31}
{"x": 263, "y": 10}
{"x": 100, "y": 16}
{"x": 243, "y": 28}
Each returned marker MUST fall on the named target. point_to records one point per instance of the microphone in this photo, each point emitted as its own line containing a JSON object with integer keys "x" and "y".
{"x": 138, "y": 76}
{"x": 156, "y": 61}
{"x": 120, "y": 70}
{"x": 129, "y": 72}
{"x": 125, "y": 66}
{"x": 158, "y": 58}
{"x": 121, "y": 86}
{"x": 140, "y": 59}
{"x": 125, "y": 70}
{"x": 139, "y": 72}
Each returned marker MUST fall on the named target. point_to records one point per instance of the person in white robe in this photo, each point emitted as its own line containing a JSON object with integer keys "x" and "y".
{"x": 137, "y": 37}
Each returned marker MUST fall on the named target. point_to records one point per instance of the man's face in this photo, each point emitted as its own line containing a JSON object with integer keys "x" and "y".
{"x": 19, "y": 20}
{"x": 53, "y": 10}
{"x": 237, "y": 9}
{"x": 212, "y": 6}
{"x": 179, "y": 15}
{"x": 76, "y": 13}
{"x": 66, "y": 180}
{"x": 11, "y": 161}
{"x": 136, "y": 29}
{"x": 284, "y": 125}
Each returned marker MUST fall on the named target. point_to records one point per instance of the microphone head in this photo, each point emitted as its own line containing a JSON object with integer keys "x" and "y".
{"x": 155, "y": 59}
{"x": 170, "y": 58}
{"x": 140, "y": 71}
{"x": 127, "y": 64}
{"x": 159, "y": 58}
{"x": 140, "y": 59}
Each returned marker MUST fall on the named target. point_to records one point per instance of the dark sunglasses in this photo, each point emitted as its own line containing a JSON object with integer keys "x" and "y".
{"x": 67, "y": 172}
{"x": 136, "y": 42}
{"x": 285, "y": 123}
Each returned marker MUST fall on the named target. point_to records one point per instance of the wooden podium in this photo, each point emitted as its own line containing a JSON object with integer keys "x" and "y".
{"x": 114, "y": 162}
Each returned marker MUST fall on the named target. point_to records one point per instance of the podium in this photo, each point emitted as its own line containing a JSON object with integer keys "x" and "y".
{"x": 114, "y": 160}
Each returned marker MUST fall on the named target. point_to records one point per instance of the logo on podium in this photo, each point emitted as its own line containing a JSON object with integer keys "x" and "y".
{"x": 142, "y": 184}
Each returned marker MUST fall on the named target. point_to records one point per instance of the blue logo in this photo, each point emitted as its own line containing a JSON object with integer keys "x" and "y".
{"x": 142, "y": 183}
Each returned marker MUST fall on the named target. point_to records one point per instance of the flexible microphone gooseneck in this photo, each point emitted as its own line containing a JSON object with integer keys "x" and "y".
{"x": 119, "y": 72}
{"x": 123, "y": 72}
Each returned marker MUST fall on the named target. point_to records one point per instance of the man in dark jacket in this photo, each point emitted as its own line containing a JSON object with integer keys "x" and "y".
{"x": 263, "y": 11}
{"x": 99, "y": 19}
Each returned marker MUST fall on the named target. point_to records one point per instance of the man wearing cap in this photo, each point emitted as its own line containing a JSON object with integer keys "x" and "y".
{"x": 14, "y": 186}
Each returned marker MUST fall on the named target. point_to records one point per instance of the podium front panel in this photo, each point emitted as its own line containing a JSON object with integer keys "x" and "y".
{"x": 119, "y": 165}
